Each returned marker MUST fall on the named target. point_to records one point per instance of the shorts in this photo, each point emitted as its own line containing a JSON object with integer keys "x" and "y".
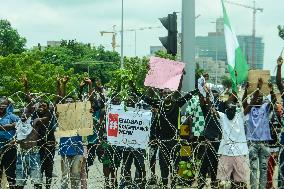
{"x": 235, "y": 166}
{"x": 28, "y": 164}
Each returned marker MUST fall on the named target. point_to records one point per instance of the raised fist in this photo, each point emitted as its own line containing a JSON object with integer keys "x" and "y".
{"x": 280, "y": 61}
{"x": 65, "y": 79}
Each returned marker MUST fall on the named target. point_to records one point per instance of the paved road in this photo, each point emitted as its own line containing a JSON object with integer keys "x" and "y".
{"x": 95, "y": 180}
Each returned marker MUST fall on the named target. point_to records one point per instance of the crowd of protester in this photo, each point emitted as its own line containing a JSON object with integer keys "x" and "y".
{"x": 238, "y": 140}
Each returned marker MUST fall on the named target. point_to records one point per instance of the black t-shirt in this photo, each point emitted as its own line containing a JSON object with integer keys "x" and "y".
{"x": 212, "y": 129}
{"x": 168, "y": 119}
{"x": 153, "y": 128}
{"x": 46, "y": 131}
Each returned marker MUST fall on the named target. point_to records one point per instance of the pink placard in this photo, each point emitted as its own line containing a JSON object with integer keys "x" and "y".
{"x": 164, "y": 74}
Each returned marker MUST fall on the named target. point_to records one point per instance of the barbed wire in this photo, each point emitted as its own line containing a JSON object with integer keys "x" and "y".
{"x": 96, "y": 177}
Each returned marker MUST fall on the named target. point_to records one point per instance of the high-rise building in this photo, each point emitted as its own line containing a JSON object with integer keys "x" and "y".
{"x": 215, "y": 71}
{"x": 246, "y": 44}
{"x": 214, "y": 46}
{"x": 220, "y": 25}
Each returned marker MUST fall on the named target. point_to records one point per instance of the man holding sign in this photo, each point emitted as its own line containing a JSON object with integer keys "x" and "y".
{"x": 129, "y": 129}
{"x": 168, "y": 79}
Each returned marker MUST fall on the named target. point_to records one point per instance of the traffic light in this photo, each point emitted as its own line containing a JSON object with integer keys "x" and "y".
{"x": 170, "y": 42}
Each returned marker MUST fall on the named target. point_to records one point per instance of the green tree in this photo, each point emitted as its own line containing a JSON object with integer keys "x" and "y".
{"x": 42, "y": 77}
{"x": 163, "y": 54}
{"x": 135, "y": 70}
{"x": 10, "y": 40}
{"x": 82, "y": 58}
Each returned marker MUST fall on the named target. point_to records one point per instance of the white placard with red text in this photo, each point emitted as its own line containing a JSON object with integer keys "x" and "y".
{"x": 128, "y": 128}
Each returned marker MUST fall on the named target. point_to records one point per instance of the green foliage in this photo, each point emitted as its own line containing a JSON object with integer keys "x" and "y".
{"x": 43, "y": 67}
{"x": 135, "y": 70}
{"x": 57, "y": 56}
{"x": 83, "y": 58}
{"x": 139, "y": 69}
{"x": 41, "y": 77}
{"x": 72, "y": 58}
{"x": 226, "y": 81}
{"x": 163, "y": 54}
{"x": 10, "y": 40}
{"x": 97, "y": 69}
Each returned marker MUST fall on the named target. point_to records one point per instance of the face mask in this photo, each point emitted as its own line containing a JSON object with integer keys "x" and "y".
{"x": 231, "y": 112}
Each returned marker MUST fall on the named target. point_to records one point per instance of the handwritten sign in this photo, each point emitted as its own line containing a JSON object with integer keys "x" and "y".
{"x": 128, "y": 128}
{"x": 164, "y": 74}
{"x": 74, "y": 119}
{"x": 253, "y": 77}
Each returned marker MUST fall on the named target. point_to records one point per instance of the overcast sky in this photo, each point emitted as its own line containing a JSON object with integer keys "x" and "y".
{"x": 43, "y": 20}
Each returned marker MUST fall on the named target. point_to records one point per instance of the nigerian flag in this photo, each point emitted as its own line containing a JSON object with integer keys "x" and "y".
{"x": 237, "y": 63}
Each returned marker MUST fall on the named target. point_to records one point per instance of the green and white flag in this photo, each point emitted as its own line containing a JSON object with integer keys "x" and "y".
{"x": 237, "y": 63}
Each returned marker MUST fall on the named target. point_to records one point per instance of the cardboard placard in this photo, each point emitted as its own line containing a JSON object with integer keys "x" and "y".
{"x": 253, "y": 77}
{"x": 164, "y": 74}
{"x": 74, "y": 119}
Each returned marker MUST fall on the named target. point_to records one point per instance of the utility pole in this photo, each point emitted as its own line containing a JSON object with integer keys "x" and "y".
{"x": 255, "y": 9}
{"x": 188, "y": 43}
{"x": 121, "y": 48}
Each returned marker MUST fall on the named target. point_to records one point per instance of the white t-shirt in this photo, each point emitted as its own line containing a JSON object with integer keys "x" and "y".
{"x": 23, "y": 129}
{"x": 233, "y": 142}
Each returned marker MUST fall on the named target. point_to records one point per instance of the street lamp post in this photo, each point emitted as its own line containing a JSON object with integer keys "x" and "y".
{"x": 121, "y": 58}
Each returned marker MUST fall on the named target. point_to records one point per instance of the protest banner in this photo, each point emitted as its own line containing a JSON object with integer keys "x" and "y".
{"x": 253, "y": 77}
{"x": 74, "y": 119}
{"x": 128, "y": 128}
{"x": 164, "y": 74}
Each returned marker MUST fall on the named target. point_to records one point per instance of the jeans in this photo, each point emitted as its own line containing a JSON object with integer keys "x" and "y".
{"x": 281, "y": 169}
{"x": 258, "y": 156}
{"x": 8, "y": 164}
{"x": 71, "y": 168}
{"x": 28, "y": 164}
